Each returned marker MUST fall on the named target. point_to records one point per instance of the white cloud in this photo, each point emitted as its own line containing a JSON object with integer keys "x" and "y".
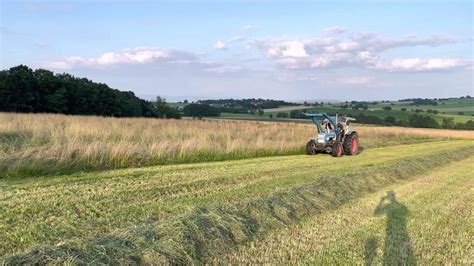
{"x": 294, "y": 49}
{"x": 348, "y": 46}
{"x": 335, "y": 30}
{"x": 140, "y": 55}
{"x": 224, "y": 69}
{"x": 48, "y": 7}
{"x": 219, "y": 45}
{"x": 363, "y": 50}
{"x": 320, "y": 62}
{"x": 382, "y": 44}
{"x": 248, "y": 27}
{"x": 417, "y": 64}
{"x": 59, "y": 65}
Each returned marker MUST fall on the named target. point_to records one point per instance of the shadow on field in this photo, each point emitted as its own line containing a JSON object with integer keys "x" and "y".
{"x": 370, "y": 251}
{"x": 397, "y": 247}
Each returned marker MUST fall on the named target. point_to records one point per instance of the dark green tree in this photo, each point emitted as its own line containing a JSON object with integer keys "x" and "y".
{"x": 422, "y": 121}
{"x": 448, "y": 123}
{"x": 56, "y": 102}
{"x": 200, "y": 110}
{"x": 390, "y": 120}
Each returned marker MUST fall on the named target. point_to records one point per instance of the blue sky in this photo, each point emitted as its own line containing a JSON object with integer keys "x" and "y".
{"x": 291, "y": 50}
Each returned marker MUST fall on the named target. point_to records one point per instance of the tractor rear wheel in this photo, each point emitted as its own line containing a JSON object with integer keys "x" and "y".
{"x": 351, "y": 144}
{"x": 311, "y": 147}
{"x": 337, "y": 149}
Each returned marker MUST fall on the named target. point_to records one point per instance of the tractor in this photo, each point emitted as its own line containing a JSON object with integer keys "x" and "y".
{"x": 334, "y": 135}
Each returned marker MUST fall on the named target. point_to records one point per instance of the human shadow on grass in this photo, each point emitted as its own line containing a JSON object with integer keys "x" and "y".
{"x": 398, "y": 249}
{"x": 370, "y": 251}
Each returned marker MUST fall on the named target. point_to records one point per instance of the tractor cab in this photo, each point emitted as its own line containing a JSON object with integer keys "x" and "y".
{"x": 334, "y": 135}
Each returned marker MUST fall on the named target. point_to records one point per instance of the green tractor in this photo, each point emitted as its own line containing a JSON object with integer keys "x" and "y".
{"x": 334, "y": 135}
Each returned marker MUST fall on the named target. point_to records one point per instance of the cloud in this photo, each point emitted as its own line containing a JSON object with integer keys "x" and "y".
{"x": 224, "y": 69}
{"x": 376, "y": 43}
{"x": 42, "y": 45}
{"x": 313, "y": 54}
{"x": 219, "y": 45}
{"x": 140, "y": 55}
{"x": 335, "y": 30}
{"x": 247, "y": 27}
{"x": 294, "y": 49}
{"x": 237, "y": 39}
{"x": 417, "y": 64}
{"x": 361, "y": 50}
{"x": 48, "y": 7}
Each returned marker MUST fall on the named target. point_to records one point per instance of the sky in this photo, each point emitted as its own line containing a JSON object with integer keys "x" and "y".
{"x": 290, "y": 50}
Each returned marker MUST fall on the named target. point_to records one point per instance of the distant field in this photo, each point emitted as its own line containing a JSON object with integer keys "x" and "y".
{"x": 34, "y": 145}
{"x": 285, "y": 109}
{"x": 395, "y": 112}
{"x": 450, "y": 108}
{"x": 201, "y": 212}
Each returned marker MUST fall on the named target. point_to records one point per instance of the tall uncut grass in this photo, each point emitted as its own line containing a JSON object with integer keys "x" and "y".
{"x": 35, "y": 144}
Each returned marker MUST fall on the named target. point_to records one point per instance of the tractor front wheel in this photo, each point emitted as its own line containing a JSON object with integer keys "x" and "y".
{"x": 311, "y": 147}
{"x": 351, "y": 144}
{"x": 337, "y": 149}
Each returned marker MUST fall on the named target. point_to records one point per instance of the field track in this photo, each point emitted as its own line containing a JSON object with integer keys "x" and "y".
{"x": 145, "y": 214}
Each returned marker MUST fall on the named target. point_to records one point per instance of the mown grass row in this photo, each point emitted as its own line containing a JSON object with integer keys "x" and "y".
{"x": 40, "y": 144}
{"x": 437, "y": 207}
{"x": 221, "y": 226}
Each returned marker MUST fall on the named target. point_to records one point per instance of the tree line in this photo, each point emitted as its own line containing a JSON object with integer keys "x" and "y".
{"x": 42, "y": 91}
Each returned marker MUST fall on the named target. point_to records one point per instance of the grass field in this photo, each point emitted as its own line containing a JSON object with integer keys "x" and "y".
{"x": 32, "y": 145}
{"x": 260, "y": 208}
{"x": 85, "y": 213}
